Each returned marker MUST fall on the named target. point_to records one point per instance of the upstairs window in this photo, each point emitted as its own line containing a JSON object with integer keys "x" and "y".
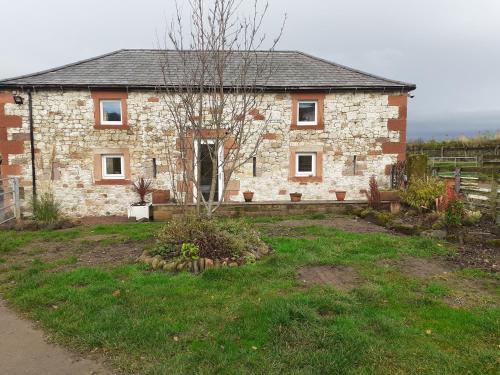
{"x": 113, "y": 167}
{"x": 305, "y": 164}
{"x": 111, "y": 112}
{"x": 110, "y": 109}
{"x": 307, "y": 113}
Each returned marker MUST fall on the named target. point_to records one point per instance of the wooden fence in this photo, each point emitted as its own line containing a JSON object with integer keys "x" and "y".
{"x": 493, "y": 150}
{"x": 480, "y": 187}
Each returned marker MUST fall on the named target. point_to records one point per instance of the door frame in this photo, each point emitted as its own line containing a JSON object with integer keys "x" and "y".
{"x": 220, "y": 169}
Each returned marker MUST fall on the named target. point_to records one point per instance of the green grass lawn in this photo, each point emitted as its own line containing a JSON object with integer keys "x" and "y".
{"x": 258, "y": 319}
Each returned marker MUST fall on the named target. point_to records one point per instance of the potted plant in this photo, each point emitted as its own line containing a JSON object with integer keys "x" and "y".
{"x": 295, "y": 197}
{"x": 248, "y": 195}
{"x": 340, "y": 194}
{"x": 142, "y": 209}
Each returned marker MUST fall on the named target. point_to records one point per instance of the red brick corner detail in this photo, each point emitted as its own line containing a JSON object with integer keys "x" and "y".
{"x": 399, "y": 125}
{"x": 7, "y": 147}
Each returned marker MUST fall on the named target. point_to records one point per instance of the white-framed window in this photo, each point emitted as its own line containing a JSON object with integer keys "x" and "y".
{"x": 113, "y": 167}
{"x": 111, "y": 112}
{"x": 307, "y": 112}
{"x": 305, "y": 164}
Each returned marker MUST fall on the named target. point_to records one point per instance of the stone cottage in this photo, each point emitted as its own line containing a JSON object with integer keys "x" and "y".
{"x": 92, "y": 127}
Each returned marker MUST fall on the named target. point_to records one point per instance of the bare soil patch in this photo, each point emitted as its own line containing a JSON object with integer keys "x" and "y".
{"x": 88, "y": 251}
{"x": 111, "y": 219}
{"x": 478, "y": 250}
{"x": 349, "y": 224}
{"x": 464, "y": 292}
{"x": 119, "y": 253}
{"x": 340, "y": 277}
{"x": 421, "y": 267}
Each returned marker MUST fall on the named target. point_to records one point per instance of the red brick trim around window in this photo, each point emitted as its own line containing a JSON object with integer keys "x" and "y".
{"x": 110, "y": 95}
{"x": 113, "y": 182}
{"x": 399, "y": 125}
{"x": 296, "y": 98}
{"x": 9, "y": 147}
{"x": 98, "y": 179}
{"x": 305, "y": 179}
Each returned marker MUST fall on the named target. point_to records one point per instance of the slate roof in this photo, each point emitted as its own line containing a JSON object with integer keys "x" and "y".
{"x": 139, "y": 68}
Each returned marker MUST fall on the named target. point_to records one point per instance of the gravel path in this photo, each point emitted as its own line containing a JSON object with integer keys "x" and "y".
{"x": 24, "y": 351}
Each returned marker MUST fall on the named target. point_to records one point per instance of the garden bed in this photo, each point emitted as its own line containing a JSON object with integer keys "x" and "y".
{"x": 193, "y": 243}
{"x": 477, "y": 244}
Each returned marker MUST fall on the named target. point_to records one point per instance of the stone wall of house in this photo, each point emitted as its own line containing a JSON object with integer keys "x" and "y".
{"x": 370, "y": 126}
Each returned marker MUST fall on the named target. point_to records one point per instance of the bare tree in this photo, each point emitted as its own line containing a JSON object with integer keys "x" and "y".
{"x": 215, "y": 76}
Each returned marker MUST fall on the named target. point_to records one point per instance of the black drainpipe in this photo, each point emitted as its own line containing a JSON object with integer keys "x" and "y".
{"x": 32, "y": 143}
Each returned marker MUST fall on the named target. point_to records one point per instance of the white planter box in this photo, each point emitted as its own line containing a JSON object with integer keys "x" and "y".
{"x": 140, "y": 212}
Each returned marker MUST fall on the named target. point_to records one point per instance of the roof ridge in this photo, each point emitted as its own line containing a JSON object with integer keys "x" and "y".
{"x": 62, "y": 66}
{"x": 354, "y": 70}
{"x": 197, "y": 50}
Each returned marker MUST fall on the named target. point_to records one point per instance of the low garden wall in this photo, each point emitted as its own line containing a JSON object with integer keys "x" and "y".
{"x": 163, "y": 212}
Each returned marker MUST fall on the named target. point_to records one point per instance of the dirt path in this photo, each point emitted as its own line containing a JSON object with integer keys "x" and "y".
{"x": 23, "y": 350}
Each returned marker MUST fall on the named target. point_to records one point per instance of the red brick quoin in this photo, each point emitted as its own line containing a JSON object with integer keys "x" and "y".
{"x": 399, "y": 125}
{"x": 9, "y": 147}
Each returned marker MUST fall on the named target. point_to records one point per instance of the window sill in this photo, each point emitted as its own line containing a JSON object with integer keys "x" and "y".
{"x": 319, "y": 126}
{"x": 117, "y": 127}
{"x": 112, "y": 182}
{"x": 306, "y": 179}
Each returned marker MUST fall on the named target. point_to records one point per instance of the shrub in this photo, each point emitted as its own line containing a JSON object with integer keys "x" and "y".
{"x": 373, "y": 193}
{"x": 422, "y": 193}
{"x": 455, "y": 213}
{"x": 45, "y": 208}
{"x": 200, "y": 237}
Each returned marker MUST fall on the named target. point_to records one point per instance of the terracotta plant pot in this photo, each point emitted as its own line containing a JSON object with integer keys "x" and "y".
{"x": 295, "y": 197}
{"x": 248, "y": 195}
{"x": 161, "y": 196}
{"x": 340, "y": 195}
{"x": 389, "y": 195}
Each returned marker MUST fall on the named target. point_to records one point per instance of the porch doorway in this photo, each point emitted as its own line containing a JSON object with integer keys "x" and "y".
{"x": 206, "y": 150}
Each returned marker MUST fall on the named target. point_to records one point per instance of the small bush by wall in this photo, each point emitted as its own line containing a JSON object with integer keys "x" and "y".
{"x": 422, "y": 193}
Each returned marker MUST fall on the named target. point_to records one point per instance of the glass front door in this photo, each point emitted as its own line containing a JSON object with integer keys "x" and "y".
{"x": 207, "y": 153}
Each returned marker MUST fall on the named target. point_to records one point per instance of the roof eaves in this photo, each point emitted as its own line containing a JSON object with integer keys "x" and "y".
{"x": 21, "y": 86}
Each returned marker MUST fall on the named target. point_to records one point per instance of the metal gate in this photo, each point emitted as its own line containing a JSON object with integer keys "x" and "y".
{"x": 10, "y": 208}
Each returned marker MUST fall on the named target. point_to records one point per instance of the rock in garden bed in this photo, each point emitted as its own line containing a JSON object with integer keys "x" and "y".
{"x": 197, "y": 265}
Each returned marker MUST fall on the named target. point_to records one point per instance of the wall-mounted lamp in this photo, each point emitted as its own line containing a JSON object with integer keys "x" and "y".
{"x": 18, "y": 99}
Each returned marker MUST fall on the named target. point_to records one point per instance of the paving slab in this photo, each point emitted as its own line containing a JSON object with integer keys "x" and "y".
{"x": 25, "y": 351}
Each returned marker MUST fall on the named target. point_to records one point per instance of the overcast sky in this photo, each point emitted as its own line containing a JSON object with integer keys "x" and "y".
{"x": 449, "y": 48}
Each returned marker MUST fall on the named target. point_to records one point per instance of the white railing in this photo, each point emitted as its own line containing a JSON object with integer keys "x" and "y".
{"x": 10, "y": 207}
{"x": 469, "y": 161}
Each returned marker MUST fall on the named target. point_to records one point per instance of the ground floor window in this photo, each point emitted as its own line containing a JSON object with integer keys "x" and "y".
{"x": 305, "y": 164}
{"x": 113, "y": 167}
